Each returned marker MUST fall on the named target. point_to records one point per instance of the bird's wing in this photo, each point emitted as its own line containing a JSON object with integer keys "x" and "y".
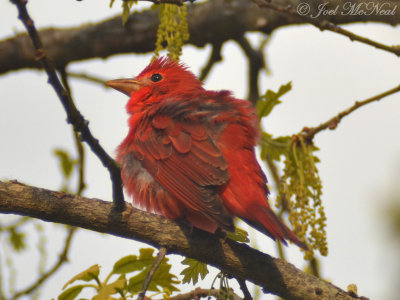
{"x": 182, "y": 157}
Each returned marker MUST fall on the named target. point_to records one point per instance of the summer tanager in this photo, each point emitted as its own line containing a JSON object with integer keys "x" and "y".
{"x": 189, "y": 153}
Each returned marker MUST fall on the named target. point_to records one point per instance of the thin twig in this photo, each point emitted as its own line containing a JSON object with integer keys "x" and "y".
{"x": 81, "y": 163}
{"x": 73, "y": 115}
{"x": 81, "y": 185}
{"x": 284, "y": 203}
{"x": 152, "y": 271}
{"x": 215, "y": 57}
{"x": 327, "y": 25}
{"x": 245, "y": 290}
{"x": 61, "y": 260}
{"x": 332, "y": 123}
{"x": 78, "y": 144}
{"x": 278, "y": 182}
{"x": 256, "y": 63}
{"x": 203, "y": 293}
{"x": 262, "y": 49}
{"x": 88, "y": 77}
{"x": 176, "y": 2}
{"x": 274, "y": 171}
{"x": 314, "y": 267}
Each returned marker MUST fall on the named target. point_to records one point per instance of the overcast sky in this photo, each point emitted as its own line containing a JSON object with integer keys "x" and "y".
{"x": 360, "y": 159}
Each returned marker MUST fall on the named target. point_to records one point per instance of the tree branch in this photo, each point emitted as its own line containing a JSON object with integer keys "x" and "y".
{"x": 203, "y": 293}
{"x": 215, "y": 57}
{"x": 256, "y": 62}
{"x": 88, "y": 77}
{"x": 325, "y": 24}
{"x": 74, "y": 116}
{"x": 212, "y": 22}
{"x": 78, "y": 143}
{"x": 245, "y": 290}
{"x": 274, "y": 275}
{"x": 160, "y": 256}
{"x": 332, "y": 123}
{"x": 176, "y": 2}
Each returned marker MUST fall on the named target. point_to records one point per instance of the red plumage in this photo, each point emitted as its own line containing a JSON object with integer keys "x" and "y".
{"x": 189, "y": 152}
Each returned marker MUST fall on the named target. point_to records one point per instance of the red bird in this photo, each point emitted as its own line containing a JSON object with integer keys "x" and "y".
{"x": 189, "y": 153}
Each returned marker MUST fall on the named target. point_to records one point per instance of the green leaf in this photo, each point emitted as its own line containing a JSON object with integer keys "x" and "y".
{"x": 66, "y": 162}
{"x": 146, "y": 256}
{"x": 126, "y": 264}
{"x": 270, "y": 99}
{"x": 162, "y": 278}
{"x": 17, "y": 239}
{"x": 274, "y": 147}
{"x": 172, "y": 30}
{"x": 87, "y": 275}
{"x": 109, "y": 289}
{"x": 71, "y": 293}
{"x": 193, "y": 270}
{"x": 135, "y": 283}
{"x": 240, "y": 235}
{"x": 132, "y": 263}
{"x": 284, "y": 88}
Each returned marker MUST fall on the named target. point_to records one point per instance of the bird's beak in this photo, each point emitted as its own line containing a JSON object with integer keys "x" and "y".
{"x": 126, "y": 86}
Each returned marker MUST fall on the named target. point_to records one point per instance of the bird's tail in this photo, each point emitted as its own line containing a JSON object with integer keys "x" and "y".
{"x": 270, "y": 224}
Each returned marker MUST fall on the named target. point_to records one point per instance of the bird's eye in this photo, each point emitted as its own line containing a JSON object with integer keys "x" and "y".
{"x": 156, "y": 77}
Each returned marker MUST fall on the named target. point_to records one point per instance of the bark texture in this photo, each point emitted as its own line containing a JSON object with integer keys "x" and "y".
{"x": 274, "y": 275}
{"x": 212, "y": 22}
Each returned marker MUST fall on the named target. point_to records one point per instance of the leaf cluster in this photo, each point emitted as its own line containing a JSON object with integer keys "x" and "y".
{"x": 126, "y": 9}
{"x": 302, "y": 188}
{"x": 299, "y": 187}
{"x": 128, "y": 274}
{"x": 125, "y": 280}
{"x": 173, "y": 29}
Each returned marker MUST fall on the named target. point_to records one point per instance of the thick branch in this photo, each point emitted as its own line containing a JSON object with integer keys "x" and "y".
{"x": 210, "y": 22}
{"x": 274, "y": 275}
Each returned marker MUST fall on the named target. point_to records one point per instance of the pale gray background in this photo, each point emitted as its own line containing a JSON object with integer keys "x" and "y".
{"x": 360, "y": 160}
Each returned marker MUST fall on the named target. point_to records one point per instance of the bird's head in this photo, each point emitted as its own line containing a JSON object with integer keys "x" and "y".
{"x": 162, "y": 79}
